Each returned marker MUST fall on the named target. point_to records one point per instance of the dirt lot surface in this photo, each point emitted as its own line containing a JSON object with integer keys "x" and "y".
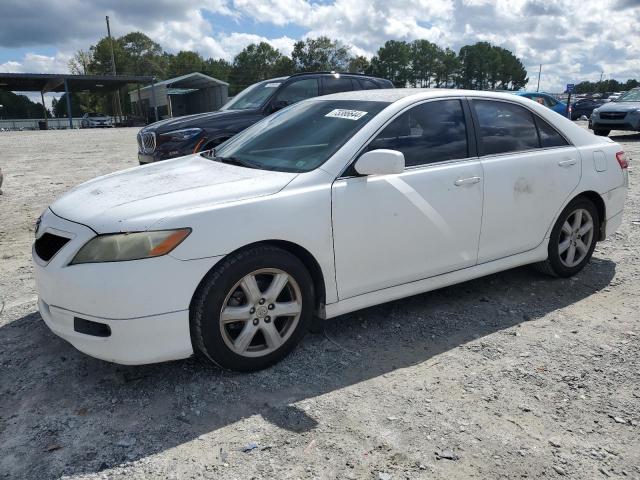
{"x": 515, "y": 375}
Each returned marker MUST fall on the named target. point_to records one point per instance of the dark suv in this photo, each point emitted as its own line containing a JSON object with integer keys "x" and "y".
{"x": 179, "y": 136}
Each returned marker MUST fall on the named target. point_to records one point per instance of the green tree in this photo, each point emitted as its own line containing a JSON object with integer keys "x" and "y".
{"x": 184, "y": 62}
{"x": 393, "y": 62}
{"x": 321, "y": 54}
{"x": 220, "y": 69}
{"x": 256, "y": 62}
{"x": 447, "y": 69}
{"x": 425, "y": 58}
{"x": 358, "y": 64}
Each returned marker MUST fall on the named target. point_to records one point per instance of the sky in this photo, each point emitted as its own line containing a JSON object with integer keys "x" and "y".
{"x": 574, "y": 40}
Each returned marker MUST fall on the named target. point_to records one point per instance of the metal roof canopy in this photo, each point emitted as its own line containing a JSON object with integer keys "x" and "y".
{"x": 64, "y": 82}
{"x": 193, "y": 81}
{"x": 55, "y": 82}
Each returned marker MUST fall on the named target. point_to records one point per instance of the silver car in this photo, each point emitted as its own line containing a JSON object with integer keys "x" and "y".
{"x": 620, "y": 114}
{"x": 95, "y": 120}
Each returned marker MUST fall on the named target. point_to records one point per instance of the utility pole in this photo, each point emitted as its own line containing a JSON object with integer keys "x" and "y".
{"x": 118, "y": 108}
{"x": 539, "y": 74}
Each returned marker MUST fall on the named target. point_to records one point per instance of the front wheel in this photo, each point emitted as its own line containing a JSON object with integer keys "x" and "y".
{"x": 252, "y": 309}
{"x": 572, "y": 239}
{"x": 601, "y": 133}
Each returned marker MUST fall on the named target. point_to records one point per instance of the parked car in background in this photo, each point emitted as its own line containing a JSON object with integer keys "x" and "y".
{"x": 95, "y": 120}
{"x": 331, "y": 205}
{"x": 547, "y": 100}
{"x": 621, "y": 114}
{"x": 585, "y": 107}
{"x": 180, "y": 136}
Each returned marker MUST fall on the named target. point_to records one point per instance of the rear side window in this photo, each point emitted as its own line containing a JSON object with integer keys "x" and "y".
{"x": 336, "y": 85}
{"x": 504, "y": 127}
{"x": 549, "y": 137}
{"x": 427, "y": 133}
{"x": 367, "y": 84}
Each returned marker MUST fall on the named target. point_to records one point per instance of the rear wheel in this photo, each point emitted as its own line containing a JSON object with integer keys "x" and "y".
{"x": 252, "y": 309}
{"x": 572, "y": 240}
{"x": 601, "y": 133}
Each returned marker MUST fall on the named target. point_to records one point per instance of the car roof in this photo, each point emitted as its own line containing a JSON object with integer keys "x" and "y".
{"x": 391, "y": 95}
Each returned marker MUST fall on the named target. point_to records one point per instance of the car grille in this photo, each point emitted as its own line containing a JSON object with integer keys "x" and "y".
{"x": 146, "y": 142}
{"x": 48, "y": 245}
{"x": 613, "y": 115}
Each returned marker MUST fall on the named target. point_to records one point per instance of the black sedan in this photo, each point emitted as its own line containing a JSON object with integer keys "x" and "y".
{"x": 180, "y": 136}
{"x": 585, "y": 106}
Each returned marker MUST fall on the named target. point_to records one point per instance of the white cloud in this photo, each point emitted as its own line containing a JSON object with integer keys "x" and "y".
{"x": 574, "y": 39}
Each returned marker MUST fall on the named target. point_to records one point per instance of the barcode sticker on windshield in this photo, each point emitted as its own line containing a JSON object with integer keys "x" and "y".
{"x": 272, "y": 85}
{"x": 348, "y": 114}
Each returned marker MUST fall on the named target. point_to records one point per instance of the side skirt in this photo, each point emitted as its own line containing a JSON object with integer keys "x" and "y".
{"x": 389, "y": 294}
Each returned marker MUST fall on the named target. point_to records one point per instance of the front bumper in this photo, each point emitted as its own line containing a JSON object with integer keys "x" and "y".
{"x": 629, "y": 123}
{"x": 135, "y": 341}
{"x": 144, "y": 302}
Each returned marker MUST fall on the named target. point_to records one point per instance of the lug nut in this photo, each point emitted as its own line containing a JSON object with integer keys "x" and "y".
{"x": 261, "y": 302}
{"x": 256, "y": 321}
{"x": 267, "y": 319}
{"x": 252, "y": 311}
{"x": 271, "y": 306}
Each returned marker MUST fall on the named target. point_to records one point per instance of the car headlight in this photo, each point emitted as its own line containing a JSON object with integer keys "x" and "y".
{"x": 119, "y": 247}
{"x": 595, "y": 110}
{"x": 180, "y": 135}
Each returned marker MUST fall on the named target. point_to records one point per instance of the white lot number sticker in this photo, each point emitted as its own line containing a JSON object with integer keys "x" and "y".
{"x": 272, "y": 85}
{"x": 348, "y": 114}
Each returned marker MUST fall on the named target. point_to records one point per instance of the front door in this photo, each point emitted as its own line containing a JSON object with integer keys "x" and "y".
{"x": 393, "y": 229}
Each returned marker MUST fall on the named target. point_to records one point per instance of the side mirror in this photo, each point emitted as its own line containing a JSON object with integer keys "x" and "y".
{"x": 380, "y": 162}
{"x": 279, "y": 105}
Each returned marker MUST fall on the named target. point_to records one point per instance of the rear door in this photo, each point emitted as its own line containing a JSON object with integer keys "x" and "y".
{"x": 529, "y": 171}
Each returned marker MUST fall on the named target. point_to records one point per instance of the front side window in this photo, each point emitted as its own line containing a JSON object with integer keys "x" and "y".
{"x": 427, "y": 133}
{"x": 337, "y": 85}
{"x": 504, "y": 127}
{"x": 299, "y": 138}
{"x": 299, "y": 90}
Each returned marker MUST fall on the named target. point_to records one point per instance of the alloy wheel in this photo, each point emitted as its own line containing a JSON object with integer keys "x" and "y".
{"x": 260, "y": 312}
{"x": 576, "y": 237}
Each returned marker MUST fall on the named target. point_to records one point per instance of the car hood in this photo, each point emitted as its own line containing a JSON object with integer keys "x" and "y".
{"x": 619, "y": 106}
{"x": 137, "y": 198}
{"x": 197, "y": 120}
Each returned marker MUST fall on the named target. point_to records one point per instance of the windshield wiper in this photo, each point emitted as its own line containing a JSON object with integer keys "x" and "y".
{"x": 235, "y": 161}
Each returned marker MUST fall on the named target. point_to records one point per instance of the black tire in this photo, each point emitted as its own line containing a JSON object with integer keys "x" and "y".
{"x": 206, "y": 333}
{"x": 554, "y": 265}
{"x": 601, "y": 133}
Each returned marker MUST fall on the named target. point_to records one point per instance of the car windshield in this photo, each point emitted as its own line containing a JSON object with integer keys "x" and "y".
{"x": 630, "y": 96}
{"x": 97, "y": 114}
{"x": 301, "y": 137}
{"x": 253, "y": 96}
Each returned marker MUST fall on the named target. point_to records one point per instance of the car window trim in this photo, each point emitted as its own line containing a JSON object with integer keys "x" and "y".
{"x": 470, "y": 126}
{"x": 505, "y": 100}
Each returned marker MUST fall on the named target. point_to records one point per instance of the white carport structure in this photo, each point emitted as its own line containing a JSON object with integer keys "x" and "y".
{"x": 185, "y": 95}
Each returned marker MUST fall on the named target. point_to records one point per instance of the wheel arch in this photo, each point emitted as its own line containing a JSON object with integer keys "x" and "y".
{"x": 307, "y": 259}
{"x": 597, "y": 200}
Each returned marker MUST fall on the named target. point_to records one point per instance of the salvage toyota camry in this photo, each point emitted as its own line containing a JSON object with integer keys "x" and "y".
{"x": 331, "y": 205}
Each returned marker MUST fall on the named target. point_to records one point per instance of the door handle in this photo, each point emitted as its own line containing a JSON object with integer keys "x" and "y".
{"x": 466, "y": 181}
{"x": 567, "y": 162}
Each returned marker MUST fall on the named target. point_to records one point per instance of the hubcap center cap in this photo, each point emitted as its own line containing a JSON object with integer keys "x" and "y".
{"x": 261, "y": 311}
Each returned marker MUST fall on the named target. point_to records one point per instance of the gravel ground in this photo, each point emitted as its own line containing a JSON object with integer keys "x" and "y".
{"x": 515, "y": 375}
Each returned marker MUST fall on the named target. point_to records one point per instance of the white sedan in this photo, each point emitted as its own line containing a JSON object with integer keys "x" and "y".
{"x": 331, "y": 205}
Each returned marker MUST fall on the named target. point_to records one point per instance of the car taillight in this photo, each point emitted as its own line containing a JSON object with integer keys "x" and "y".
{"x": 622, "y": 160}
